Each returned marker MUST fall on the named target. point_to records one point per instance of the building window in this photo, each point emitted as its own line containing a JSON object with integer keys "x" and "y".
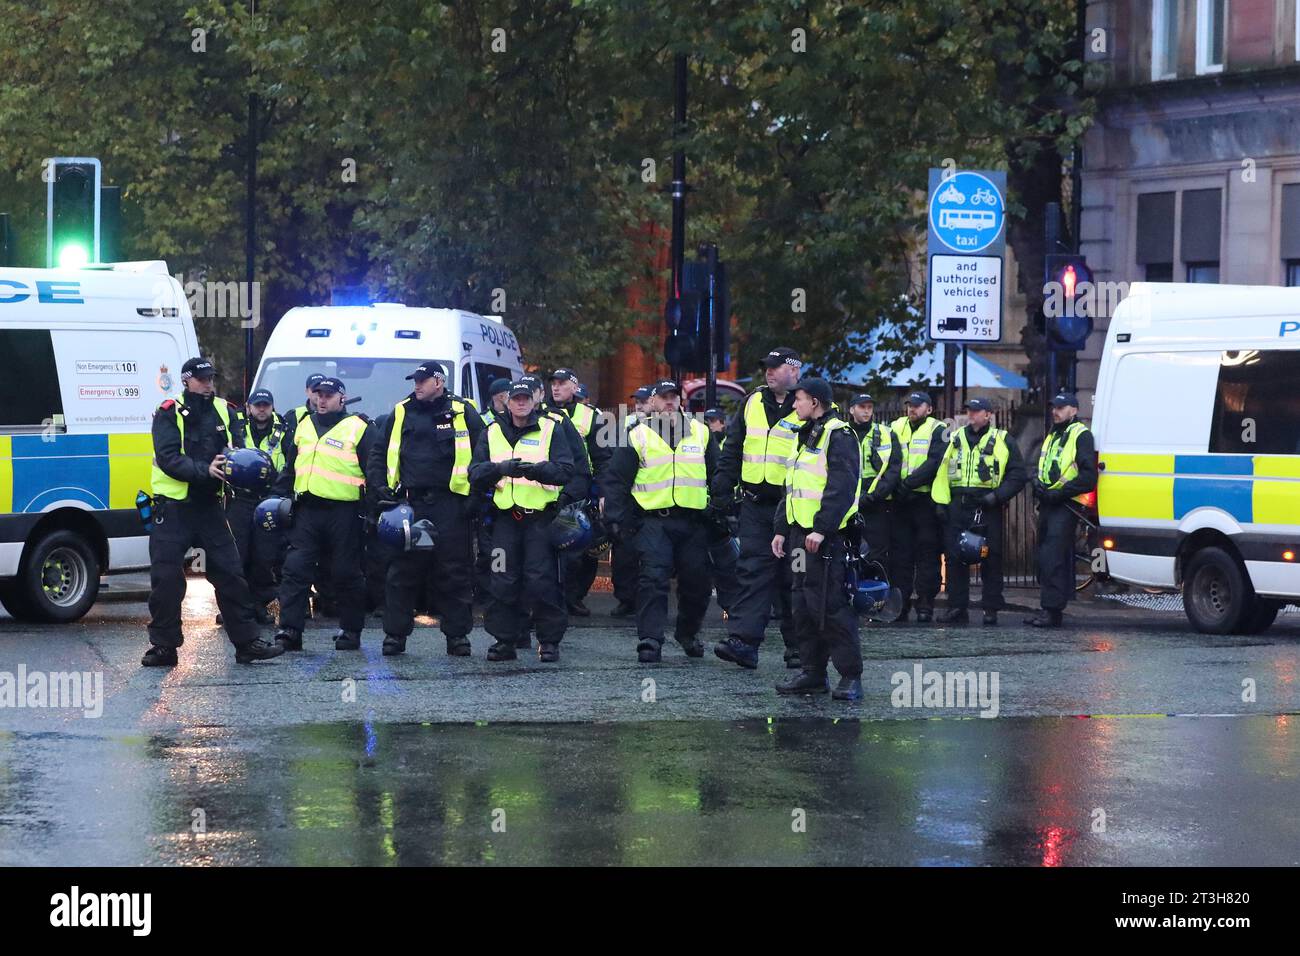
{"x": 1203, "y": 272}
{"x": 1211, "y": 17}
{"x": 1164, "y": 39}
{"x": 1160, "y": 272}
{"x": 1155, "y": 235}
{"x": 1293, "y": 272}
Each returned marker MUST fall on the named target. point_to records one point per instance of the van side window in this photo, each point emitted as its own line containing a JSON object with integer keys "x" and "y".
{"x": 1257, "y": 405}
{"x": 466, "y": 384}
{"x": 32, "y": 397}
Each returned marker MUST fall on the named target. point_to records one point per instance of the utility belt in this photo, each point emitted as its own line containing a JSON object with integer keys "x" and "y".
{"x": 524, "y": 514}
{"x": 424, "y": 496}
{"x": 965, "y": 492}
{"x": 755, "y": 498}
{"x": 674, "y": 512}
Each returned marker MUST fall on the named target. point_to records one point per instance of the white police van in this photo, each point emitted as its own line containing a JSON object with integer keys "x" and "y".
{"x": 1197, "y": 423}
{"x": 372, "y": 348}
{"x": 88, "y": 355}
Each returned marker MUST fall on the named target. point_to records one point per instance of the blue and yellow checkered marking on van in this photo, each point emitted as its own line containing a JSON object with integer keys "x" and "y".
{"x": 1253, "y": 489}
{"x": 98, "y": 471}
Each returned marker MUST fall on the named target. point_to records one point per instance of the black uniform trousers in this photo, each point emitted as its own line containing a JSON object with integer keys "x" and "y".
{"x": 876, "y": 529}
{"x": 579, "y": 575}
{"x": 261, "y": 552}
{"x": 961, "y": 517}
{"x": 762, "y": 580}
{"x": 178, "y": 526}
{"x": 1057, "y": 527}
{"x": 723, "y": 556}
{"x": 914, "y": 549}
{"x": 325, "y": 535}
{"x": 624, "y": 570}
{"x": 448, "y": 567}
{"x": 832, "y": 635}
{"x": 676, "y": 541}
{"x": 524, "y": 589}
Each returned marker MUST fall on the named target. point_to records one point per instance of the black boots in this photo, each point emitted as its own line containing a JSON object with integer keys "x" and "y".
{"x": 991, "y": 618}
{"x": 258, "y": 650}
{"x": 457, "y": 647}
{"x": 548, "y": 653}
{"x": 849, "y": 688}
{"x": 394, "y": 645}
{"x": 804, "y": 683}
{"x": 347, "y": 641}
{"x": 158, "y": 656}
{"x": 1045, "y": 618}
{"x": 290, "y": 638}
{"x": 954, "y": 615}
{"x": 502, "y": 651}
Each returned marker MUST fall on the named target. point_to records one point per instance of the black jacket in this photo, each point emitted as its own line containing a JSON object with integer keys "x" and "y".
{"x": 1085, "y": 451}
{"x": 205, "y": 438}
{"x": 322, "y": 424}
{"x": 620, "y": 507}
{"x": 428, "y": 446}
{"x": 577, "y": 487}
{"x": 893, "y": 470}
{"x": 557, "y": 470}
{"x": 599, "y": 452}
{"x": 843, "y": 466}
{"x": 723, "y": 484}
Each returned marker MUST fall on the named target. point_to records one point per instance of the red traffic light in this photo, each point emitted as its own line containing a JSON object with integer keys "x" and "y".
{"x": 1068, "y": 279}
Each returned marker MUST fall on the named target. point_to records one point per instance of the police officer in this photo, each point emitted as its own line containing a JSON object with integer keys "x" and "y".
{"x": 497, "y": 393}
{"x": 260, "y": 551}
{"x": 658, "y": 490}
{"x": 822, "y": 486}
{"x": 190, "y": 434}
{"x": 624, "y": 566}
{"x": 882, "y": 464}
{"x": 915, "y": 533}
{"x": 299, "y": 412}
{"x": 423, "y": 459}
{"x": 723, "y": 547}
{"x": 580, "y": 567}
{"x": 760, "y": 440}
{"x": 324, "y": 471}
{"x": 526, "y": 461}
{"x": 1066, "y": 470}
{"x": 981, "y": 471}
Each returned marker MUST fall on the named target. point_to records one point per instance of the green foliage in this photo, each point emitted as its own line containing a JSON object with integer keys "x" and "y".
{"x": 520, "y": 169}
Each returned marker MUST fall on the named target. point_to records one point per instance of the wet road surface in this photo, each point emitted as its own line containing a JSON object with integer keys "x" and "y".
{"x": 329, "y": 757}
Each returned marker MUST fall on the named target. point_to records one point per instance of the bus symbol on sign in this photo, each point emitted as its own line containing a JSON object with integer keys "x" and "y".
{"x": 967, "y": 212}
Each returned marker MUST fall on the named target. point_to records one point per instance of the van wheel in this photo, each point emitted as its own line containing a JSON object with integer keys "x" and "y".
{"x": 58, "y": 580}
{"x": 1216, "y": 593}
{"x": 1260, "y": 617}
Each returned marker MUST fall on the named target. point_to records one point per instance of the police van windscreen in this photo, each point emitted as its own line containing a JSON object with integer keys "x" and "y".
{"x": 379, "y": 383}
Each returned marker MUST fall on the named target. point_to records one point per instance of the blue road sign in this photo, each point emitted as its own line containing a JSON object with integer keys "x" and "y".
{"x": 968, "y": 211}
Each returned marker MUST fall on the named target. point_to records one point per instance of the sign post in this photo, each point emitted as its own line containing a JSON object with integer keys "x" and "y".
{"x": 965, "y": 241}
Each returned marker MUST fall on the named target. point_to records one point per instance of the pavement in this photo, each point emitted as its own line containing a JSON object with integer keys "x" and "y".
{"x": 1181, "y": 747}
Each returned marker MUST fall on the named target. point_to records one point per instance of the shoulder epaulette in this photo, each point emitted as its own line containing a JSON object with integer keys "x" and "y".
{"x": 168, "y": 404}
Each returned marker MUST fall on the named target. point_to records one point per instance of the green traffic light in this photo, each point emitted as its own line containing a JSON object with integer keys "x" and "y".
{"x": 73, "y": 256}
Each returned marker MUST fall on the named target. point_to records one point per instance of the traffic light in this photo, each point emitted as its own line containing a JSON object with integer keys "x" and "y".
{"x": 72, "y": 212}
{"x": 1068, "y": 302}
{"x": 690, "y": 318}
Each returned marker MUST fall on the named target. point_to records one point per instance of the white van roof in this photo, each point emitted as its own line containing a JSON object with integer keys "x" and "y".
{"x": 1204, "y": 312}
{"x": 117, "y": 293}
{"x": 391, "y": 330}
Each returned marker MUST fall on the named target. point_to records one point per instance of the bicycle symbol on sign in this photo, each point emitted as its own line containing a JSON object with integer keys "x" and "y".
{"x": 985, "y": 197}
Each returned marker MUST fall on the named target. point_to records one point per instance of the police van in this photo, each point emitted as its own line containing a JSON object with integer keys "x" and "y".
{"x": 1197, "y": 423}
{"x": 372, "y": 348}
{"x": 88, "y": 354}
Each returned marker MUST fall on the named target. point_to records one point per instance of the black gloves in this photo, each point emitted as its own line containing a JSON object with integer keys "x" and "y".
{"x": 990, "y": 500}
{"x": 511, "y": 468}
